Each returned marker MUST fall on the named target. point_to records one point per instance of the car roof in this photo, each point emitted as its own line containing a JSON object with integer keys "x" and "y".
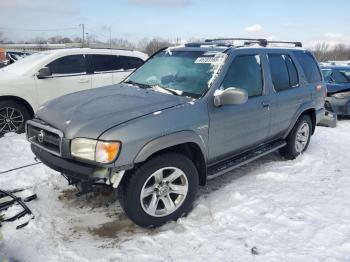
{"x": 75, "y": 51}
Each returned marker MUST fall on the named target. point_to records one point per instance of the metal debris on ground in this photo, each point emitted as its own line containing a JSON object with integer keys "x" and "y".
{"x": 9, "y": 199}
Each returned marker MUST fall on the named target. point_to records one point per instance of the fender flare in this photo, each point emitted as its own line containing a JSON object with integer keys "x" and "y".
{"x": 170, "y": 140}
{"x": 304, "y": 107}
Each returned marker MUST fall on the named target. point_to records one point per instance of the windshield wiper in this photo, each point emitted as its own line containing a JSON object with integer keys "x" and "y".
{"x": 137, "y": 84}
{"x": 167, "y": 89}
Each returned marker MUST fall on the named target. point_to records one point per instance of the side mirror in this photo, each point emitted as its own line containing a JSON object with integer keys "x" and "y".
{"x": 230, "y": 96}
{"x": 44, "y": 73}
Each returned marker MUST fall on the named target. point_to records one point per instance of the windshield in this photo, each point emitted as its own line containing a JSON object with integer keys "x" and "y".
{"x": 188, "y": 73}
{"x": 341, "y": 76}
{"x": 23, "y": 65}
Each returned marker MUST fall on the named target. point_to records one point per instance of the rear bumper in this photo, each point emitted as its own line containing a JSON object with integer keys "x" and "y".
{"x": 339, "y": 106}
{"x": 320, "y": 113}
{"x": 72, "y": 169}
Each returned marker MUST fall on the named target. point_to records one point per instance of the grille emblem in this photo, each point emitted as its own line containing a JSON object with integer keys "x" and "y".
{"x": 41, "y": 136}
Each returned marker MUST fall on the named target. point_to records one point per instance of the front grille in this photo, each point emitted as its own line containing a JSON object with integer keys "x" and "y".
{"x": 44, "y": 136}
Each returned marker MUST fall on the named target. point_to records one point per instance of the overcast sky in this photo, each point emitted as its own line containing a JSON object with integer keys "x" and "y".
{"x": 303, "y": 20}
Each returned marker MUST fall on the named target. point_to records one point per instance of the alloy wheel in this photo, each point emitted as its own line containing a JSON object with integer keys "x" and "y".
{"x": 164, "y": 191}
{"x": 11, "y": 120}
{"x": 302, "y": 137}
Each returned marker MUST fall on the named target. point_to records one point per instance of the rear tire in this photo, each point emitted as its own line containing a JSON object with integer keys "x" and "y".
{"x": 298, "y": 139}
{"x": 13, "y": 116}
{"x": 161, "y": 190}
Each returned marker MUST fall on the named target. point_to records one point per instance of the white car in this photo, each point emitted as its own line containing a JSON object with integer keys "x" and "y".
{"x": 40, "y": 77}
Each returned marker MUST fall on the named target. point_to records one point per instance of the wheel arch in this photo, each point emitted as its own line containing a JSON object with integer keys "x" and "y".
{"x": 306, "y": 109}
{"x": 187, "y": 143}
{"x": 20, "y": 100}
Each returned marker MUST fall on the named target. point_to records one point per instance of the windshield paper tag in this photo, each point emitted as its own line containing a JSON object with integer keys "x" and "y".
{"x": 209, "y": 60}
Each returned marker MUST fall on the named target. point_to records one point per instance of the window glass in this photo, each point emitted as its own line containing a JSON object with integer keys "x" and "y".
{"x": 245, "y": 72}
{"x": 279, "y": 72}
{"x": 72, "y": 64}
{"x": 292, "y": 71}
{"x": 105, "y": 63}
{"x": 327, "y": 74}
{"x": 309, "y": 65}
{"x": 130, "y": 62}
{"x": 341, "y": 76}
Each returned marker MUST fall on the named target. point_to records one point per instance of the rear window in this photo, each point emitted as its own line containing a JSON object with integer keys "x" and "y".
{"x": 309, "y": 66}
{"x": 283, "y": 72}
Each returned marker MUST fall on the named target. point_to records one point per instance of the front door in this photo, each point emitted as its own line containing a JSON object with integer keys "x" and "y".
{"x": 234, "y": 128}
{"x": 69, "y": 75}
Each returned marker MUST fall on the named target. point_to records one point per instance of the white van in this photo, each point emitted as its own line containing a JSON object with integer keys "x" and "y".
{"x": 40, "y": 77}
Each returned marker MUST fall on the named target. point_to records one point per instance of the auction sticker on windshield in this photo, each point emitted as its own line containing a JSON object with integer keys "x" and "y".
{"x": 209, "y": 60}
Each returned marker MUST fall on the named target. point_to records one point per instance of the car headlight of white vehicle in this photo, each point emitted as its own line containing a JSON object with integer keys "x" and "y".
{"x": 342, "y": 95}
{"x": 95, "y": 150}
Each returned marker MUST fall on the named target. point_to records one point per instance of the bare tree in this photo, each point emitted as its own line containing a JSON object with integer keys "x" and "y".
{"x": 323, "y": 52}
{"x": 155, "y": 44}
{"x": 2, "y": 39}
{"x": 59, "y": 40}
{"x": 122, "y": 43}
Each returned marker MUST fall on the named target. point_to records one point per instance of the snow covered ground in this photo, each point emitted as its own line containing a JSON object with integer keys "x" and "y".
{"x": 269, "y": 210}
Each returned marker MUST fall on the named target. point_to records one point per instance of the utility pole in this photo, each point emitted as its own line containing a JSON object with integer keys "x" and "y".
{"x": 110, "y": 37}
{"x": 87, "y": 40}
{"x": 83, "y": 39}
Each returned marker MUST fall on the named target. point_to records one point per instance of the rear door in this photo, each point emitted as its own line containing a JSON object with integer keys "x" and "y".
{"x": 103, "y": 67}
{"x": 287, "y": 95}
{"x": 69, "y": 74}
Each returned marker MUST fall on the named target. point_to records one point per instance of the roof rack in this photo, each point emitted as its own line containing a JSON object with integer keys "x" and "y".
{"x": 296, "y": 44}
{"x": 260, "y": 41}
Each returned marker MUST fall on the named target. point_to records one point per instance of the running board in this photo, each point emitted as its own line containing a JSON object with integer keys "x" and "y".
{"x": 242, "y": 159}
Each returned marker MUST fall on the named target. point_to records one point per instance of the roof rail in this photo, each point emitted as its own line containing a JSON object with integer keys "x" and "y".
{"x": 198, "y": 44}
{"x": 261, "y": 41}
{"x": 297, "y": 44}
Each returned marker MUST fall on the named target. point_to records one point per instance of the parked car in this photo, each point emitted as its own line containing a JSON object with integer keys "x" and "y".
{"x": 337, "y": 79}
{"x": 43, "y": 76}
{"x": 188, "y": 114}
{"x": 13, "y": 56}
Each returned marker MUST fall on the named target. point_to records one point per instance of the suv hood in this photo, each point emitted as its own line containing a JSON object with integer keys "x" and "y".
{"x": 90, "y": 113}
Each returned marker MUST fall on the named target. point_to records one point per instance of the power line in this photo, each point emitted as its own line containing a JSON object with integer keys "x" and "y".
{"x": 38, "y": 30}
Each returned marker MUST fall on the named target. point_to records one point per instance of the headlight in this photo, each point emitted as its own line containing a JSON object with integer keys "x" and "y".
{"x": 94, "y": 150}
{"x": 342, "y": 95}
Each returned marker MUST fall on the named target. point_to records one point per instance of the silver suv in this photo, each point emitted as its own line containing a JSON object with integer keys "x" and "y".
{"x": 189, "y": 113}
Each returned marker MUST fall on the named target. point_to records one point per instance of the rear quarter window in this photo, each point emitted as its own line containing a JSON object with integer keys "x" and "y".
{"x": 309, "y": 66}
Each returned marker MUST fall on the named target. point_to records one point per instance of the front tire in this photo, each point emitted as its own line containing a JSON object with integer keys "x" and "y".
{"x": 13, "y": 116}
{"x": 161, "y": 190}
{"x": 298, "y": 139}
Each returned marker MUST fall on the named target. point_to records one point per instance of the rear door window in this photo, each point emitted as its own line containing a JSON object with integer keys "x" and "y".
{"x": 279, "y": 72}
{"x": 129, "y": 62}
{"x": 72, "y": 64}
{"x": 105, "y": 63}
{"x": 245, "y": 72}
{"x": 309, "y": 66}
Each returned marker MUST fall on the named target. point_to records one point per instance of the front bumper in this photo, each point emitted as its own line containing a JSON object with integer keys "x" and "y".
{"x": 339, "y": 106}
{"x": 73, "y": 170}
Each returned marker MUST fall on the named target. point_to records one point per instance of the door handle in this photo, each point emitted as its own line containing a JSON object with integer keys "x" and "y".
{"x": 266, "y": 104}
{"x": 83, "y": 80}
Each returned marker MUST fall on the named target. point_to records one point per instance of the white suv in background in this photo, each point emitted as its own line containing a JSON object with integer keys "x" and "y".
{"x": 40, "y": 77}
